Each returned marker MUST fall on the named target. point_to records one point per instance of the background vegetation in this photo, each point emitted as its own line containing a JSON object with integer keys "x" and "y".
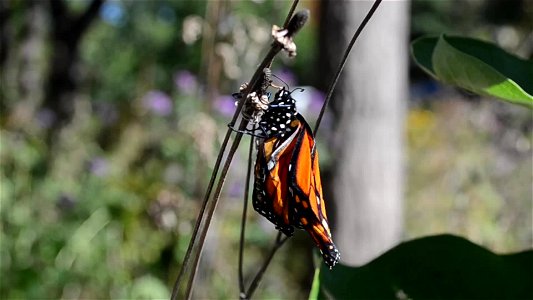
{"x": 100, "y": 186}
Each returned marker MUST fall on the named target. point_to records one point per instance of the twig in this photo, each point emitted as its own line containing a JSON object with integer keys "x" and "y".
{"x": 343, "y": 62}
{"x": 254, "y": 84}
{"x": 291, "y": 11}
{"x": 210, "y": 206}
{"x": 199, "y": 219}
{"x": 273, "y": 51}
{"x": 205, "y": 201}
{"x": 242, "y": 291}
{"x": 280, "y": 240}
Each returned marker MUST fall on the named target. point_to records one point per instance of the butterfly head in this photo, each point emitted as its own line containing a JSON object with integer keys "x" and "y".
{"x": 276, "y": 121}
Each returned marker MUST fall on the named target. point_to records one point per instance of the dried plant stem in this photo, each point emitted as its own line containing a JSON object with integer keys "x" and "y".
{"x": 196, "y": 240}
{"x": 242, "y": 291}
{"x": 253, "y": 82}
{"x": 280, "y": 240}
{"x": 203, "y": 230}
{"x": 343, "y": 62}
{"x": 199, "y": 219}
{"x": 212, "y": 205}
{"x": 291, "y": 11}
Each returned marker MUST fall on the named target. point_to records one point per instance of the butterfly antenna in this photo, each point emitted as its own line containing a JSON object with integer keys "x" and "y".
{"x": 286, "y": 85}
{"x": 296, "y": 89}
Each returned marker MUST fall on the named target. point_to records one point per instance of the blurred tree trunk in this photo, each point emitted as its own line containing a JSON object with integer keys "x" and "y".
{"x": 22, "y": 61}
{"x": 5, "y": 15}
{"x": 66, "y": 32}
{"x": 366, "y": 180}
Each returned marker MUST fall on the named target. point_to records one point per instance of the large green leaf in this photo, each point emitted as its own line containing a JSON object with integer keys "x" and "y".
{"x": 436, "y": 267}
{"x": 477, "y": 66}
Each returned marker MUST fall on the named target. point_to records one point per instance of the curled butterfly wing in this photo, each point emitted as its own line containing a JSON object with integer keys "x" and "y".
{"x": 307, "y": 207}
{"x": 271, "y": 186}
{"x": 287, "y": 187}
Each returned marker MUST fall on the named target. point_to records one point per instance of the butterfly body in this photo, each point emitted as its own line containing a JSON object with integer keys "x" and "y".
{"x": 276, "y": 120}
{"x": 287, "y": 187}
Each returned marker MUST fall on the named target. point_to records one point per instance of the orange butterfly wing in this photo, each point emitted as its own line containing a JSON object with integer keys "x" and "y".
{"x": 271, "y": 194}
{"x": 308, "y": 204}
{"x": 288, "y": 189}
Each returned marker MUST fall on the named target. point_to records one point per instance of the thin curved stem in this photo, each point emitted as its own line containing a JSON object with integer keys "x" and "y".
{"x": 280, "y": 240}
{"x": 343, "y": 61}
{"x": 253, "y": 84}
{"x": 199, "y": 218}
{"x": 212, "y": 206}
{"x": 243, "y": 220}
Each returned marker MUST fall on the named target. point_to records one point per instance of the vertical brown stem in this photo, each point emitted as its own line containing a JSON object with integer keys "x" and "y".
{"x": 242, "y": 291}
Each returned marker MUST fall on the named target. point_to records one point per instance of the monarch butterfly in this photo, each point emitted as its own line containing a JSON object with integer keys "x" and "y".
{"x": 287, "y": 186}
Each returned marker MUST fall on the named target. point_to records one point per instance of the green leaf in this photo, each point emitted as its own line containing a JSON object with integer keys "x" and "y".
{"x": 436, "y": 267}
{"x": 315, "y": 288}
{"x": 476, "y": 66}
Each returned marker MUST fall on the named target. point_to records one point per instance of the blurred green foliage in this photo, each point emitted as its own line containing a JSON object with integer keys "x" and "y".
{"x": 470, "y": 173}
{"x": 104, "y": 206}
{"x": 106, "y": 209}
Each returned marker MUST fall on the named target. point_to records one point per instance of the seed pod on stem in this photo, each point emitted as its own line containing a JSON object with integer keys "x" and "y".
{"x": 284, "y": 36}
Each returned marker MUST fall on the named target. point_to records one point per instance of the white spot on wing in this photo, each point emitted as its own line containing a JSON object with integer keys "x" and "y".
{"x": 325, "y": 224}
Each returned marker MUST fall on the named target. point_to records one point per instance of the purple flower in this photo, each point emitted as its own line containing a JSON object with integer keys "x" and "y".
{"x": 317, "y": 100}
{"x": 225, "y": 105}
{"x": 99, "y": 166}
{"x": 186, "y": 82}
{"x": 158, "y": 103}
